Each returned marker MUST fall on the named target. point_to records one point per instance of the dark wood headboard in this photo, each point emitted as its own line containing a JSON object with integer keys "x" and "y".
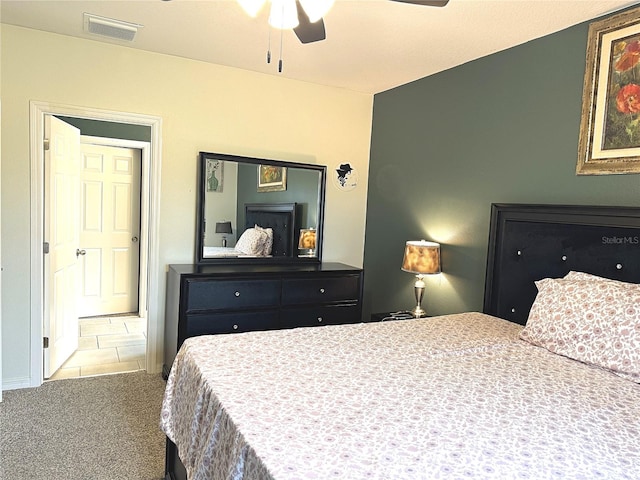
{"x": 282, "y": 218}
{"x": 531, "y": 242}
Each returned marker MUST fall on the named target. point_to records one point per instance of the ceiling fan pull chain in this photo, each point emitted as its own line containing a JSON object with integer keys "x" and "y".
{"x": 269, "y": 48}
{"x": 280, "y": 61}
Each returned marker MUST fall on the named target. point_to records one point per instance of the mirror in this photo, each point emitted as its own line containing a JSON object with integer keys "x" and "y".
{"x": 255, "y": 210}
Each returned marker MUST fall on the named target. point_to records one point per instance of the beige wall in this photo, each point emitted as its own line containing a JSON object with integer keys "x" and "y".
{"x": 203, "y": 108}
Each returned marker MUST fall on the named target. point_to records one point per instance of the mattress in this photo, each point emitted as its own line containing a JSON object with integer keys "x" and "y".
{"x": 227, "y": 252}
{"x": 211, "y": 252}
{"x": 457, "y": 396}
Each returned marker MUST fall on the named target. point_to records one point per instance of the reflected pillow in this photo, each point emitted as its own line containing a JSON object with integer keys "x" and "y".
{"x": 595, "y": 321}
{"x": 252, "y": 242}
{"x": 269, "y": 243}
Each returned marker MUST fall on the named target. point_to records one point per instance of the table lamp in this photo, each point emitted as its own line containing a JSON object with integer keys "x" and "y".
{"x": 224, "y": 228}
{"x": 421, "y": 258}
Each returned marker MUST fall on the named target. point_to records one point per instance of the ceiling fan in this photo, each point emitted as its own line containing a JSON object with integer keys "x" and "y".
{"x": 305, "y": 16}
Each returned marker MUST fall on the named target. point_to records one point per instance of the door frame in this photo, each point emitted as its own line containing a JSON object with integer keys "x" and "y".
{"x": 150, "y": 216}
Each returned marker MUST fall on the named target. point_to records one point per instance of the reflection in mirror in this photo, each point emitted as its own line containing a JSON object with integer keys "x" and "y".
{"x": 253, "y": 210}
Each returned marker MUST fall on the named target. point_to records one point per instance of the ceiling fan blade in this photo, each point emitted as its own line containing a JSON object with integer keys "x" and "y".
{"x": 306, "y": 31}
{"x": 427, "y": 3}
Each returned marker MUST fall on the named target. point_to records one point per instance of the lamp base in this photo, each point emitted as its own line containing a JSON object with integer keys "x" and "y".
{"x": 418, "y": 288}
{"x": 419, "y": 312}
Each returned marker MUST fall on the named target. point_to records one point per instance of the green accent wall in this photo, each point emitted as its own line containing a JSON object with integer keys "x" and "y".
{"x": 503, "y": 128}
{"x": 99, "y": 128}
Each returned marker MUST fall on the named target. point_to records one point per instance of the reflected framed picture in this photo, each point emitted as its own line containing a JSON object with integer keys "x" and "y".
{"x": 215, "y": 175}
{"x": 272, "y": 178}
{"x": 609, "y": 140}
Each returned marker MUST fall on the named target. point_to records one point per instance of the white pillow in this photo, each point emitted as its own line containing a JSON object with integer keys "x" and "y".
{"x": 252, "y": 242}
{"x": 269, "y": 243}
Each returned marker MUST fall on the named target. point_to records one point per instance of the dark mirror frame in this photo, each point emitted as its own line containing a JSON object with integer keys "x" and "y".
{"x": 200, "y": 259}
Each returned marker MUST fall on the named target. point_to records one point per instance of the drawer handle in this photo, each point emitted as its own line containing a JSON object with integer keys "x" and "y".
{"x": 319, "y": 319}
{"x": 235, "y": 327}
{"x": 322, "y": 290}
{"x": 237, "y": 294}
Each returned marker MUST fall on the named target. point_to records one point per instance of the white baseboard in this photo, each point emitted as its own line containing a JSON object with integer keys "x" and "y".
{"x": 16, "y": 383}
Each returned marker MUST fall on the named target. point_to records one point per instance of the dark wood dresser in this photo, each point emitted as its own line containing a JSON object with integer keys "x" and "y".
{"x": 214, "y": 299}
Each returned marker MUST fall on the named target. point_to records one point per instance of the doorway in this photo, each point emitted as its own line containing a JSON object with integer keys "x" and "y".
{"x": 149, "y": 270}
{"x": 111, "y": 335}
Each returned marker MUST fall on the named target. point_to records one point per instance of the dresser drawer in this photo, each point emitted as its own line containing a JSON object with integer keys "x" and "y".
{"x": 321, "y": 290}
{"x": 320, "y": 315}
{"x": 232, "y": 294}
{"x": 215, "y": 323}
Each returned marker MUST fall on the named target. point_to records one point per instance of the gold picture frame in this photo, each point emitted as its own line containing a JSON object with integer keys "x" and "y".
{"x": 272, "y": 178}
{"x": 609, "y": 141}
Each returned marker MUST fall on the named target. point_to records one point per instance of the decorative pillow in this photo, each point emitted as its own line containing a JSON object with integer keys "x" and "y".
{"x": 595, "y": 322}
{"x": 269, "y": 243}
{"x": 252, "y": 242}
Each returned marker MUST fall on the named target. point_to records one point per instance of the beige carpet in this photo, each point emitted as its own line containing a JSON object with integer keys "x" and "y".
{"x": 92, "y": 428}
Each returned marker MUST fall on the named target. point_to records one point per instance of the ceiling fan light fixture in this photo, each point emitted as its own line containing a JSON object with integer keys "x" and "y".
{"x": 284, "y": 14}
{"x": 252, "y": 7}
{"x": 316, "y": 9}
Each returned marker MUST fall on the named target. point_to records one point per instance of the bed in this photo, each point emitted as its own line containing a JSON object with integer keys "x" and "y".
{"x": 278, "y": 219}
{"x": 466, "y": 395}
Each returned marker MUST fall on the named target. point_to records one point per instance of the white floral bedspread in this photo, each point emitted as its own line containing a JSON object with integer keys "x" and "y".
{"x": 457, "y": 396}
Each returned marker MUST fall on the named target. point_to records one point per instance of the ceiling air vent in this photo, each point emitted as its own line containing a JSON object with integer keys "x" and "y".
{"x": 109, "y": 27}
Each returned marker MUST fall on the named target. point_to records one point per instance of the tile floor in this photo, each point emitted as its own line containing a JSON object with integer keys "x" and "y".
{"x": 107, "y": 345}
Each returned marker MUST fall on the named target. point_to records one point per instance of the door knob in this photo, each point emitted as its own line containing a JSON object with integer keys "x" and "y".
{"x": 80, "y": 252}
{"x": 134, "y": 239}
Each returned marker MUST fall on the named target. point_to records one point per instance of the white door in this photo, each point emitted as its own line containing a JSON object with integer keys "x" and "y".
{"x": 109, "y": 230}
{"x": 61, "y": 185}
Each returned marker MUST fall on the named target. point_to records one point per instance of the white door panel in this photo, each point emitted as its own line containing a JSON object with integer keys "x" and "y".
{"x": 62, "y": 175}
{"x": 92, "y": 213}
{"x": 121, "y": 271}
{"x": 91, "y": 284}
{"x": 110, "y": 229}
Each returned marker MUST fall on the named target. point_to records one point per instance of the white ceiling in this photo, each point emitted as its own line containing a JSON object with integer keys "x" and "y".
{"x": 371, "y": 45}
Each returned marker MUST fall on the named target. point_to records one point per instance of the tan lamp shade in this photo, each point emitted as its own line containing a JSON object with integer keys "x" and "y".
{"x": 421, "y": 257}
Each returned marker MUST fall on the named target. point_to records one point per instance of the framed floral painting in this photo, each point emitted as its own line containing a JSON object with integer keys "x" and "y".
{"x": 610, "y": 126}
{"x": 272, "y": 178}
